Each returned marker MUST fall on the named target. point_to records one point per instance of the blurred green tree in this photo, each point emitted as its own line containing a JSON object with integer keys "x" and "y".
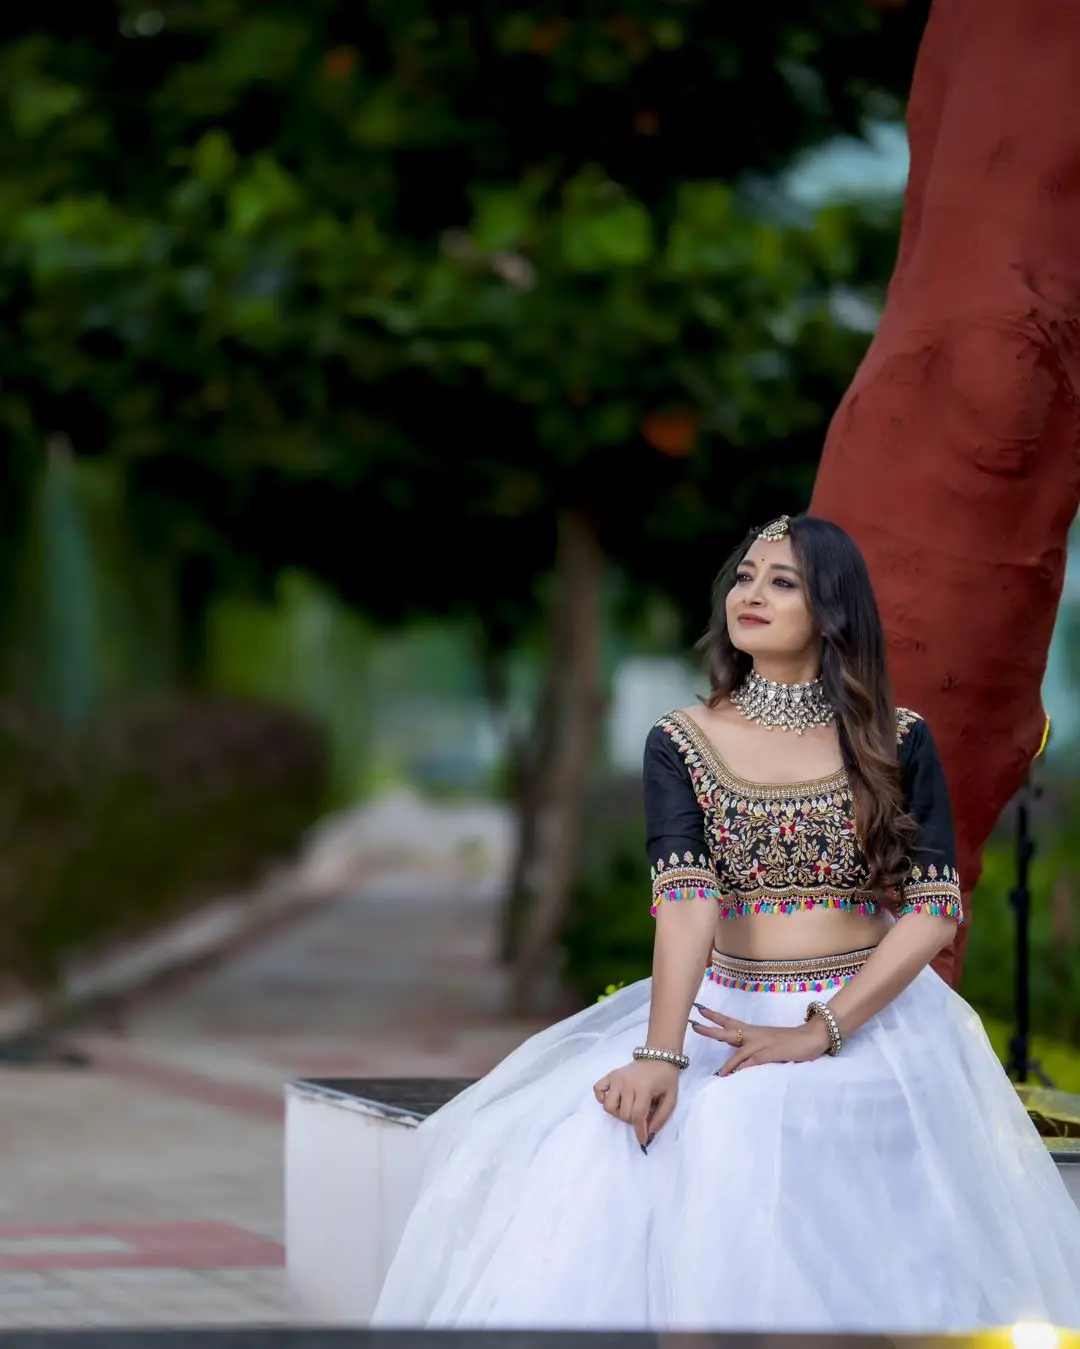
{"x": 455, "y": 307}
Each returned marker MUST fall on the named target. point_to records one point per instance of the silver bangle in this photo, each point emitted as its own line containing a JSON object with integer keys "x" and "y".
{"x": 679, "y": 1061}
{"x": 836, "y": 1040}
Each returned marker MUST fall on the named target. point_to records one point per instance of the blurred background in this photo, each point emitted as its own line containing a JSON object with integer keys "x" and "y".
{"x": 381, "y": 386}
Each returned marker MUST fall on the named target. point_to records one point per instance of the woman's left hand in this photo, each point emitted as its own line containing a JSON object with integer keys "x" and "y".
{"x": 762, "y": 1044}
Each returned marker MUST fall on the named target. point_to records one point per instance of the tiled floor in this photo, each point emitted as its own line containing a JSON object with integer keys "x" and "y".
{"x": 142, "y": 1297}
{"x": 147, "y": 1189}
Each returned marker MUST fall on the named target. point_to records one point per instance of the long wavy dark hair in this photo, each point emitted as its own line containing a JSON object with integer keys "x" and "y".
{"x": 856, "y": 681}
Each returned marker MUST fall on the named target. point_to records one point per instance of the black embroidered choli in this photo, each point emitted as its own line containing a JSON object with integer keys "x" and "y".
{"x": 754, "y": 848}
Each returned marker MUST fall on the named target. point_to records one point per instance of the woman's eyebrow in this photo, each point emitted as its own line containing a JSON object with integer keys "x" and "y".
{"x": 775, "y": 566}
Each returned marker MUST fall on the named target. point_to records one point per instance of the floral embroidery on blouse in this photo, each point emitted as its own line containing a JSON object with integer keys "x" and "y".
{"x": 785, "y": 847}
{"x": 686, "y": 877}
{"x": 775, "y": 849}
{"x": 934, "y": 890}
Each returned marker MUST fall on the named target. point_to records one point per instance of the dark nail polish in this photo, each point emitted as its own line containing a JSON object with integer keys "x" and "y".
{"x": 643, "y": 1148}
{"x": 650, "y": 1139}
{"x": 699, "y": 1008}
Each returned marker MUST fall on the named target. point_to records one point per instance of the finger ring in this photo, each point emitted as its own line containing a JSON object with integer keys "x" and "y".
{"x": 738, "y": 1042}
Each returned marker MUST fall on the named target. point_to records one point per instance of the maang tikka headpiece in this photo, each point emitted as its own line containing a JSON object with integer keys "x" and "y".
{"x": 790, "y": 707}
{"x": 776, "y": 530}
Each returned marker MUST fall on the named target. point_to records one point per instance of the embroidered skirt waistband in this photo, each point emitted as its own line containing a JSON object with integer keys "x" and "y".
{"x": 812, "y": 975}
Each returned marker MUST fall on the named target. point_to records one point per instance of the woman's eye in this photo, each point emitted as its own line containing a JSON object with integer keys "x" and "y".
{"x": 783, "y": 581}
{"x": 742, "y": 577}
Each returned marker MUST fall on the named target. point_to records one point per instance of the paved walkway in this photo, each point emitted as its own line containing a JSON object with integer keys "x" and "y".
{"x": 147, "y": 1189}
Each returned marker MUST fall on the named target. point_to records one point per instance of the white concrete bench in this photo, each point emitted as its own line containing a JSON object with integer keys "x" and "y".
{"x": 347, "y": 1182}
{"x": 347, "y": 1163}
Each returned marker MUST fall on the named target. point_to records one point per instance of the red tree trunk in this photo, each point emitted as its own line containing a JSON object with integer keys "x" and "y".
{"x": 953, "y": 457}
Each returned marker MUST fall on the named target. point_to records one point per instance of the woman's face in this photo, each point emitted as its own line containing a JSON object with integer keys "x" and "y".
{"x": 767, "y": 609}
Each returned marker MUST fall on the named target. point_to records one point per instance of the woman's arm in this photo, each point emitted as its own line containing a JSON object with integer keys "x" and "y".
{"x": 681, "y": 948}
{"x": 930, "y": 904}
{"x": 905, "y": 950}
{"x": 685, "y": 888}
{"x": 685, "y": 892}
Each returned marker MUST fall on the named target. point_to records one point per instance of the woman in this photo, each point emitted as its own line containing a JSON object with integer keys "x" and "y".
{"x": 815, "y": 1136}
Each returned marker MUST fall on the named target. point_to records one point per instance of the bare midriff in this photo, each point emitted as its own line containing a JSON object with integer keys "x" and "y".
{"x": 797, "y": 936}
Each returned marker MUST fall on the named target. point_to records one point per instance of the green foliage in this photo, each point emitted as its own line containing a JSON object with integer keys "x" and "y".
{"x": 1055, "y": 941}
{"x": 608, "y": 937}
{"x": 332, "y": 280}
{"x": 1059, "y": 1059}
{"x": 376, "y": 293}
{"x": 66, "y": 601}
{"x": 308, "y": 652}
{"x": 106, "y": 834}
{"x": 609, "y": 991}
{"x": 90, "y": 623}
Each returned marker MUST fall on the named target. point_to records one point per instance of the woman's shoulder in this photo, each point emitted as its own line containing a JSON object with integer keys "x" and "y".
{"x": 668, "y": 747}
{"x": 906, "y": 722}
{"x": 681, "y": 724}
{"x": 678, "y": 718}
{"x": 672, "y": 736}
{"x": 670, "y": 729}
{"x": 914, "y": 740}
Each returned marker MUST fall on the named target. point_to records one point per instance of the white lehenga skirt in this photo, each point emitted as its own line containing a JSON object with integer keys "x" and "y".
{"x": 899, "y": 1187}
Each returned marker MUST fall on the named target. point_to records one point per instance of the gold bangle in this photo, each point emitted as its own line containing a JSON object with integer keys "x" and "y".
{"x": 836, "y": 1040}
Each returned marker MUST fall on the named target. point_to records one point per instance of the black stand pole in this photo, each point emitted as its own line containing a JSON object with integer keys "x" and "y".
{"x": 1021, "y": 1064}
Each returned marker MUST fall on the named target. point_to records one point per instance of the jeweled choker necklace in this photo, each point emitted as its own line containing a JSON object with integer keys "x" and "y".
{"x": 791, "y": 707}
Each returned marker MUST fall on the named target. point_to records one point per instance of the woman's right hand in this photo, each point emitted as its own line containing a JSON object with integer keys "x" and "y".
{"x": 643, "y": 1095}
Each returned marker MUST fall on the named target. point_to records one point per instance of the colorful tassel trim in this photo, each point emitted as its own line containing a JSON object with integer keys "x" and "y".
{"x": 943, "y": 906}
{"x": 814, "y": 975}
{"x": 684, "y": 892}
{"x": 740, "y": 908}
{"x": 779, "y": 985}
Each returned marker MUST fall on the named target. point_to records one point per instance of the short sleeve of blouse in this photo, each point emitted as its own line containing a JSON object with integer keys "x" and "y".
{"x": 933, "y": 884}
{"x": 674, "y": 826}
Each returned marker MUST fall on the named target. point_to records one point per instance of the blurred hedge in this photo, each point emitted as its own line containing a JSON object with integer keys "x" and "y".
{"x": 1055, "y": 948}
{"x": 154, "y": 810}
{"x": 608, "y": 939}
